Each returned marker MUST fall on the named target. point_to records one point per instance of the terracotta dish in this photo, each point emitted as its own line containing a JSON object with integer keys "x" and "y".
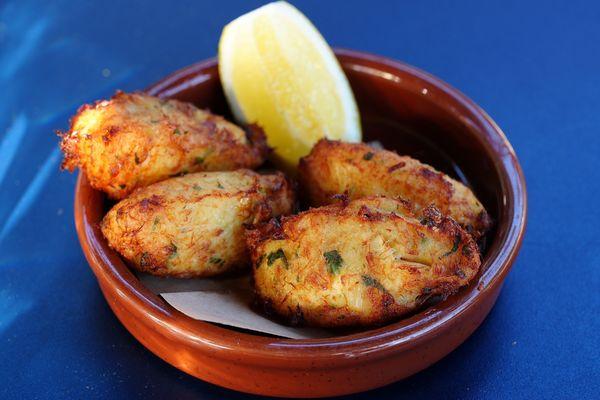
{"x": 406, "y": 110}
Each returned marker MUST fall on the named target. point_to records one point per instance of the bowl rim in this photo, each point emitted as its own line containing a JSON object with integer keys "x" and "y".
{"x": 400, "y": 336}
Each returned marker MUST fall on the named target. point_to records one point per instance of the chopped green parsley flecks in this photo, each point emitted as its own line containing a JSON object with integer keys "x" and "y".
{"x": 155, "y": 223}
{"x": 276, "y": 255}
{"x": 201, "y": 159}
{"x": 334, "y": 261}
{"x": 368, "y": 156}
{"x": 372, "y": 282}
{"x": 454, "y": 246}
{"x": 216, "y": 260}
{"x": 219, "y": 185}
{"x": 197, "y": 187}
{"x": 172, "y": 250}
{"x": 260, "y": 260}
{"x": 177, "y": 132}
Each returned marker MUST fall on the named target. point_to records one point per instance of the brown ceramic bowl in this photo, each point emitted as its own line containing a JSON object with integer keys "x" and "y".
{"x": 407, "y": 110}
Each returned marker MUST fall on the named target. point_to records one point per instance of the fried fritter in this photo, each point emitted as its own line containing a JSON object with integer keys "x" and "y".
{"x": 358, "y": 264}
{"x": 133, "y": 140}
{"x": 193, "y": 225}
{"x": 358, "y": 170}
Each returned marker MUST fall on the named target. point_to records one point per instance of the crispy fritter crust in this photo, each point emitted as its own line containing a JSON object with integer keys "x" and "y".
{"x": 358, "y": 170}
{"x": 193, "y": 226}
{"x": 133, "y": 140}
{"x": 358, "y": 264}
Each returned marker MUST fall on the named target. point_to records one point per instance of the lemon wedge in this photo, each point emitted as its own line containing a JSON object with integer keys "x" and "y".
{"x": 277, "y": 71}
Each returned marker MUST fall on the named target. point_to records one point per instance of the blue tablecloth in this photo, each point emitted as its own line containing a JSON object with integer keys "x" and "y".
{"x": 534, "y": 66}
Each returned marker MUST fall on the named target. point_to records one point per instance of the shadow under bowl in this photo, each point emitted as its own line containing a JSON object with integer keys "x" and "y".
{"x": 407, "y": 110}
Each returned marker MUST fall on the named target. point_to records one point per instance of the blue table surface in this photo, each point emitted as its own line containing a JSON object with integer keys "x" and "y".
{"x": 534, "y": 67}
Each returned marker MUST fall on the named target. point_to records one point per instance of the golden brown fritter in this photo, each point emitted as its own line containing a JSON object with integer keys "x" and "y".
{"x": 193, "y": 225}
{"x": 361, "y": 263}
{"x": 358, "y": 170}
{"x": 133, "y": 140}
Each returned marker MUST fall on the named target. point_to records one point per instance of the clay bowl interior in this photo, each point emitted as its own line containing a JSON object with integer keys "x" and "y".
{"x": 406, "y": 110}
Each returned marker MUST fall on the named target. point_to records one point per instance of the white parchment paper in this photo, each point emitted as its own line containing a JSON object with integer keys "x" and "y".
{"x": 224, "y": 301}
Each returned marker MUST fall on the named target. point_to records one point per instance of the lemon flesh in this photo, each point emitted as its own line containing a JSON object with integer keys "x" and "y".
{"x": 277, "y": 71}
